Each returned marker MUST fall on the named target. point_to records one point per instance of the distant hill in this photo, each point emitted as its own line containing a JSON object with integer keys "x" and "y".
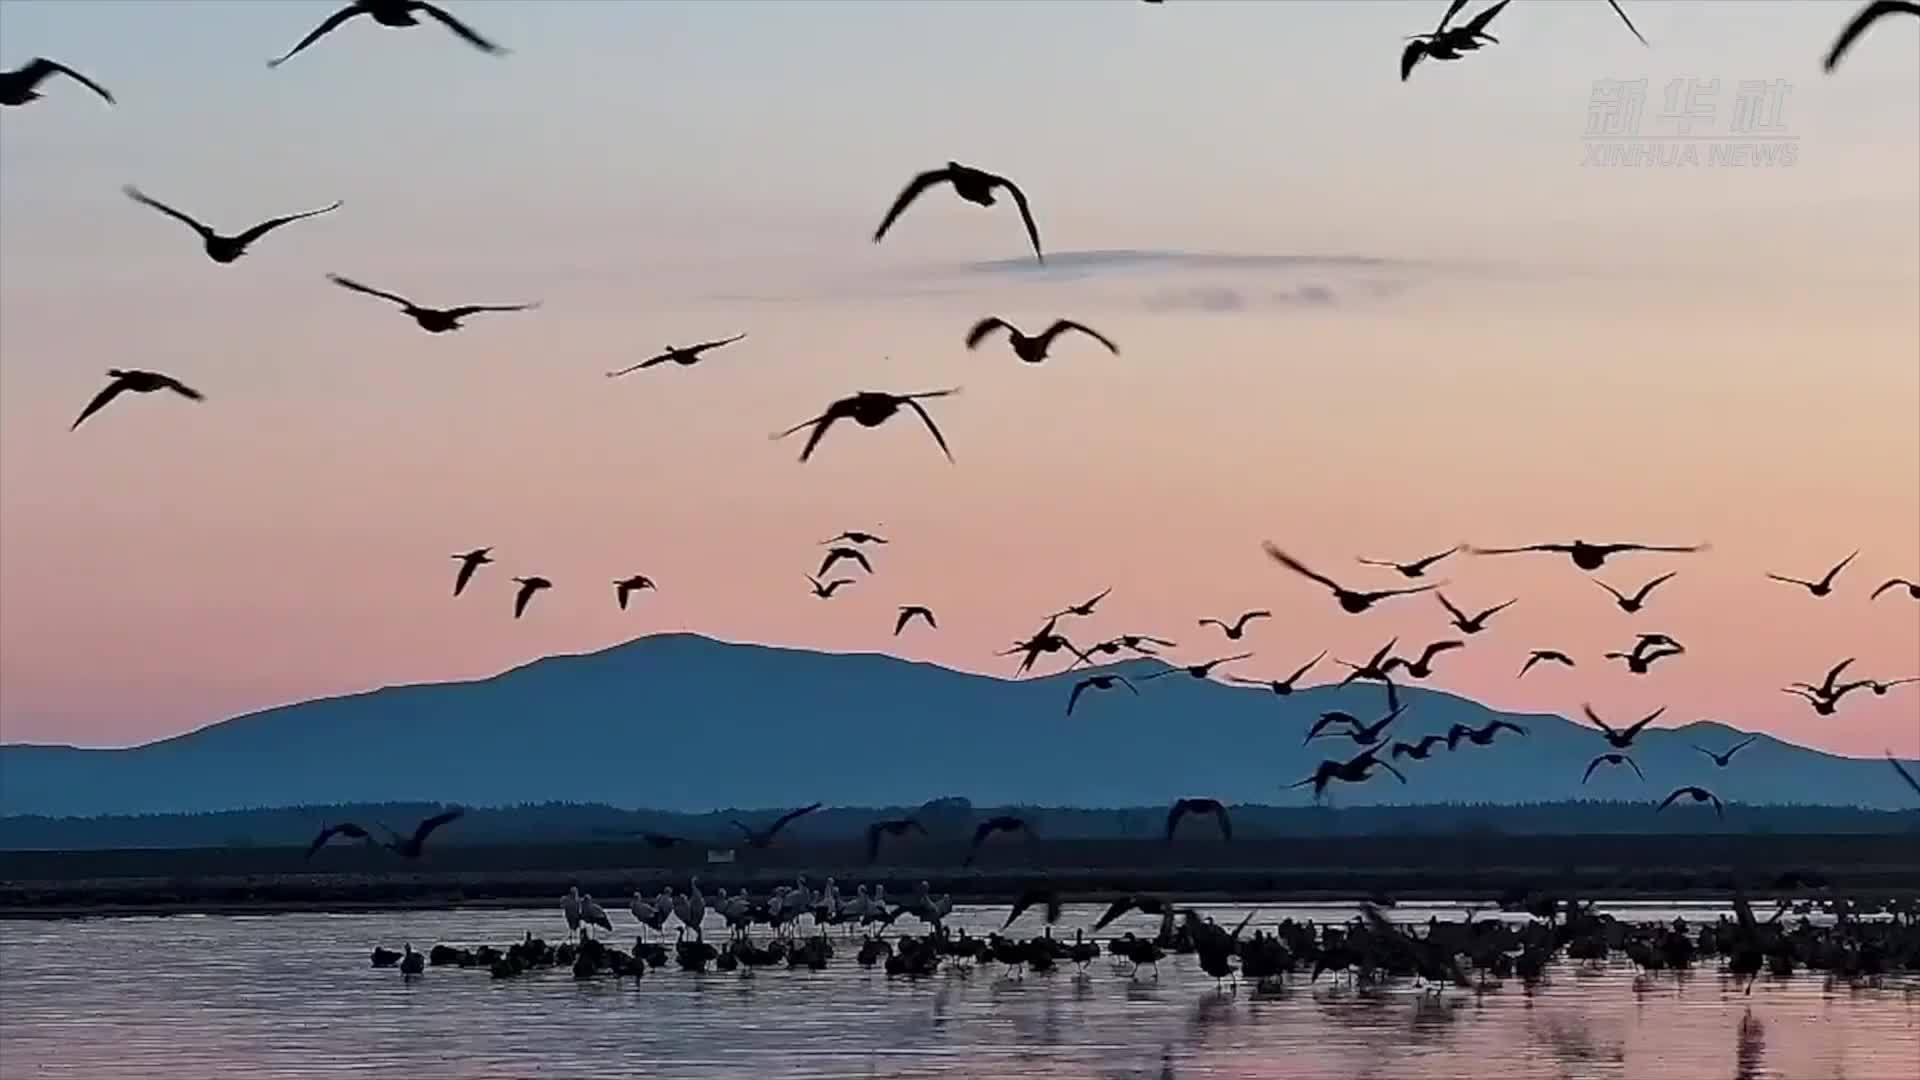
{"x": 680, "y": 722}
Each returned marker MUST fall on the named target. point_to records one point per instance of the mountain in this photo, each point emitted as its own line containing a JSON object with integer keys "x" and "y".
{"x": 683, "y": 722}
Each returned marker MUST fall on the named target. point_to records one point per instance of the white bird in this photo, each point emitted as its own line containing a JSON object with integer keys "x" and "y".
{"x": 570, "y": 907}
{"x": 696, "y": 908}
{"x": 826, "y": 907}
{"x": 646, "y": 913}
{"x": 681, "y": 911}
{"x": 859, "y": 907}
{"x": 592, "y": 914}
{"x": 737, "y": 910}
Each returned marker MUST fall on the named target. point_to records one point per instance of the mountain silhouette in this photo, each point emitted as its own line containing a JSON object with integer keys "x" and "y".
{"x": 686, "y": 723}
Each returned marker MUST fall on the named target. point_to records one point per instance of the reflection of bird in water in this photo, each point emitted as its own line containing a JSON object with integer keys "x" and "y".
{"x": 1632, "y": 604}
{"x": 1614, "y": 758}
{"x": 432, "y": 320}
{"x": 909, "y": 612}
{"x": 1238, "y": 628}
{"x": 1352, "y": 602}
{"x": 1281, "y": 687}
{"x": 1823, "y": 587}
{"x": 396, "y": 13}
{"x": 1725, "y": 759}
{"x": 1912, "y": 587}
{"x": 870, "y": 409}
{"x": 1866, "y": 17}
{"x": 1544, "y": 656}
{"x": 1478, "y": 622}
{"x": 17, "y": 87}
{"x": 1697, "y": 794}
{"x": 1621, "y": 738}
{"x": 223, "y": 248}
{"x": 684, "y": 355}
{"x": 1589, "y": 556}
{"x": 1199, "y": 806}
{"x": 972, "y": 185}
{"x": 1097, "y": 682}
{"x": 1034, "y": 349}
{"x": 139, "y": 382}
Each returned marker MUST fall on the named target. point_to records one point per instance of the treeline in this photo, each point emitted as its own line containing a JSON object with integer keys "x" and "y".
{"x": 588, "y": 822}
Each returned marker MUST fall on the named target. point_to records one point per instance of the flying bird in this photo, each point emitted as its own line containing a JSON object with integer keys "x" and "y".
{"x": 1281, "y": 687}
{"x": 1829, "y": 688}
{"x": 626, "y": 587}
{"x": 1376, "y": 668}
{"x": 1622, "y": 738}
{"x": 1352, "y": 771}
{"x": 870, "y": 409}
{"x": 1047, "y": 899}
{"x": 1199, "y": 806}
{"x": 432, "y": 320}
{"x": 346, "y": 828}
{"x": 896, "y": 827}
{"x": 1198, "y": 671}
{"x": 824, "y": 590}
{"x": 1867, "y": 17}
{"x": 1353, "y": 603}
{"x": 1481, "y": 736}
{"x": 1418, "y": 750}
{"x": 1697, "y": 794}
{"x": 972, "y": 185}
{"x": 1622, "y": 12}
{"x": 1043, "y": 643}
{"x": 1034, "y": 349}
{"x": 223, "y": 248}
{"x": 1238, "y": 628}
{"x": 1423, "y": 667}
{"x": 1002, "y": 823}
{"x": 411, "y": 847}
{"x": 834, "y": 555}
{"x": 398, "y": 13}
{"x": 1368, "y": 734}
{"x": 760, "y": 838}
{"x": 1632, "y": 604}
{"x": 528, "y": 586}
{"x": 1824, "y": 586}
{"x": 1328, "y": 719}
{"x": 1823, "y": 704}
{"x": 1614, "y": 758}
{"x": 1880, "y": 689}
{"x": 1478, "y": 622}
{"x": 1589, "y": 556}
{"x": 1414, "y": 569}
{"x": 1723, "y": 760}
{"x": 139, "y": 382}
{"x": 1446, "y": 43}
{"x": 854, "y": 536}
{"x": 1097, "y": 682}
{"x": 1912, "y": 587}
{"x": 908, "y": 612}
{"x": 1538, "y": 656}
{"x": 17, "y": 87}
{"x": 1086, "y": 609}
{"x": 684, "y": 355}
{"x": 1645, "y": 651}
{"x": 1145, "y": 905}
{"x": 469, "y": 562}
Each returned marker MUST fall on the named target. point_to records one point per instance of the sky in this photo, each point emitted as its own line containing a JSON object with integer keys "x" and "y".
{"x": 1357, "y": 317}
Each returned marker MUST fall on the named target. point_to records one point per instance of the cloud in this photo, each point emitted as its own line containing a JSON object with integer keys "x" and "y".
{"x": 1227, "y": 299}
{"x": 1062, "y": 265}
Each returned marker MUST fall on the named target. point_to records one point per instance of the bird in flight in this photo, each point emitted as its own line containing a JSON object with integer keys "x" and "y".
{"x": 895, "y": 827}
{"x": 1281, "y": 687}
{"x": 411, "y": 847}
{"x": 1697, "y": 794}
{"x": 1589, "y": 556}
{"x": 1824, "y": 586}
{"x": 1632, "y": 604}
{"x": 1086, "y": 609}
{"x": 469, "y": 562}
{"x": 869, "y": 409}
{"x": 824, "y": 590}
{"x": 854, "y": 536}
{"x": 626, "y": 587}
{"x": 17, "y": 87}
{"x": 1354, "y": 770}
{"x": 1352, "y": 602}
{"x": 1723, "y": 760}
{"x": 1328, "y": 719}
{"x": 1002, "y": 823}
{"x": 1145, "y": 905}
{"x": 1418, "y": 750}
{"x": 1478, "y": 622}
{"x": 1046, "y": 641}
{"x": 974, "y": 186}
{"x": 139, "y": 382}
{"x": 221, "y": 248}
{"x": 909, "y": 612}
{"x": 1622, "y": 738}
{"x": 1880, "y": 689}
{"x": 834, "y": 555}
{"x": 1097, "y": 682}
{"x": 1912, "y": 587}
{"x": 1622, "y": 12}
{"x": 1033, "y": 349}
{"x": 1111, "y": 647}
{"x": 346, "y": 828}
{"x": 1866, "y": 17}
{"x": 1423, "y": 667}
{"x": 760, "y": 838}
{"x": 1198, "y": 671}
{"x": 1414, "y": 569}
{"x": 1481, "y": 736}
{"x": 1376, "y": 668}
{"x": 1825, "y": 698}
{"x": 1544, "y": 656}
{"x": 1047, "y": 899}
{"x": 528, "y": 586}
{"x": 1645, "y": 651}
{"x": 1613, "y": 758}
{"x": 1183, "y": 807}
{"x": 1238, "y": 627}
{"x": 684, "y": 355}
{"x": 1365, "y": 734}
{"x": 390, "y": 13}
{"x": 1447, "y": 43}
{"x": 432, "y": 320}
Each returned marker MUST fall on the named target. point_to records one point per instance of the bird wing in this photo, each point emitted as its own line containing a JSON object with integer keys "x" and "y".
{"x": 144, "y": 199}
{"x": 114, "y": 389}
{"x": 461, "y": 29}
{"x": 1439, "y": 647}
{"x": 349, "y": 283}
{"x": 1891, "y": 583}
{"x": 901, "y": 623}
{"x": 1592, "y": 765}
{"x": 271, "y": 224}
{"x": 1617, "y": 594}
{"x": 620, "y": 591}
{"x": 820, "y": 425}
{"x": 1519, "y": 550}
{"x": 1063, "y": 325}
{"x": 1410, "y": 56}
{"x": 1174, "y": 815}
{"x": 1249, "y": 616}
{"x": 1791, "y": 580}
{"x": 1026, "y": 215}
{"x": 927, "y": 419}
{"x": 911, "y": 192}
{"x": 1835, "y": 572}
{"x": 1453, "y": 9}
{"x": 467, "y": 567}
{"x": 1860, "y": 22}
{"x": 1737, "y": 747}
{"x": 1622, "y": 12}
{"x": 1422, "y": 564}
{"x": 1308, "y": 666}
{"x": 1397, "y": 774}
{"x": 782, "y": 821}
{"x": 320, "y": 841}
{"x": 425, "y": 828}
{"x": 1478, "y": 23}
{"x": 1654, "y": 584}
{"x": 41, "y": 67}
{"x": 1496, "y": 609}
{"x": 1668, "y": 801}
{"x": 474, "y": 309}
{"x": 520, "y": 599}
{"x": 1078, "y": 689}
{"x": 705, "y": 345}
{"x": 856, "y": 556}
{"x": 320, "y": 31}
{"x": 1636, "y": 767}
{"x": 1904, "y": 774}
{"x": 1298, "y": 567}
{"x": 1114, "y": 910}
{"x": 1458, "y": 615}
{"x": 1508, "y": 724}
{"x": 1595, "y": 717}
{"x": 984, "y": 327}
{"x": 1640, "y": 725}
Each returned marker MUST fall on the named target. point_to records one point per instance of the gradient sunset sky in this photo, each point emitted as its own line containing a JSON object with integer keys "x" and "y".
{"x": 1358, "y": 317}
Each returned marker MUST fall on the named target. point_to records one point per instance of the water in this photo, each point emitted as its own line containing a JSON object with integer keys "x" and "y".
{"x": 292, "y": 997}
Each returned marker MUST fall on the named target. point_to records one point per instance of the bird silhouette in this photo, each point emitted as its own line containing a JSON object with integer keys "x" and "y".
{"x": 824, "y": 590}
{"x": 1047, "y": 899}
{"x": 17, "y": 87}
{"x": 1145, "y": 905}
{"x": 1376, "y": 668}
{"x": 1354, "y": 770}
{"x": 1423, "y": 667}
{"x": 1589, "y": 556}
{"x": 432, "y": 320}
{"x": 1046, "y": 641}
{"x": 972, "y": 185}
{"x": 1902, "y": 770}
{"x": 1367, "y": 734}
{"x": 1238, "y": 628}
{"x": 1034, "y": 349}
{"x": 346, "y": 828}
{"x": 1829, "y": 687}
{"x": 528, "y": 586}
{"x": 1446, "y": 43}
{"x": 222, "y": 248}
{"x": 626, "y": 587}
{"x": 1281, "y": 687}
{"x": 869, "y": 408}
{"x": 1697, "y": 794}
{"x": 1183, "y": 807}
{"x": 138, "y": 382}
{"x": 397, "y": 13}
{"x": 1880, "y": 689}
{"x": 1823, "y": 705}
{"x": 1622, "y": 12}
{"x": 834, "y": 555}
{"x": 908, "y": 612}
{"x": 1538, "y": 656}
{"x": 1328, "y": 719}
{"x": 1481, "y": 736}
{"x": 1866, "y": 17}
{"x": 1416, "y": 568}
{"x": 896, "y": 827}
{"x": 853, "y": 536}
{"x": 1614, "y": 758}
{"x": 1476, "y": 623}
{"x": 1723, "y": 760}
{"x": 1645, "y": 651}
{"x": 1622, "y": 738}
{"x": 1632, "y": 604}
{"x": 412, "y": 847}
{"x": 1351, "y": 602}
{"x": 684, "y": 355}
{"x": 1418, "y": 750}
{"x": 1824, "y": 586}
{"x": 761, "y": 838}
{"x": 1097, "y": 682}
{"x": 1086, "y": 609}
{"x": 1912, "y": 587}
{"x": 1001, "y": 823}
{"x": 469, "y": 562}
{"x": 1198, "y": 671}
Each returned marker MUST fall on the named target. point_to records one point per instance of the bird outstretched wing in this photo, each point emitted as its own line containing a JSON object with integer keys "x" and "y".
{"x": 462, "y": 29}
{"x": 984, "y": 327}
{"x": 1622, "y": 12}
{"x": 319, "y": 32}
{"x": 144, "y": 199}
{"x": 1061, "y": 326}
{"x": 425, "y": 828}
{"x": 271, "y": 224}
{"x": 41, "y": 67}
{"x": 909, "y": 193}
{"x": 114, "y": 389}
{"x": 349, "y": 283}
{"x": 1026, "y": 213}
{"x": 927, "y": 419}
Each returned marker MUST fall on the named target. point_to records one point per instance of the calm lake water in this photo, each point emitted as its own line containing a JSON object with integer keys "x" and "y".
{"x": 293, "y": 997}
